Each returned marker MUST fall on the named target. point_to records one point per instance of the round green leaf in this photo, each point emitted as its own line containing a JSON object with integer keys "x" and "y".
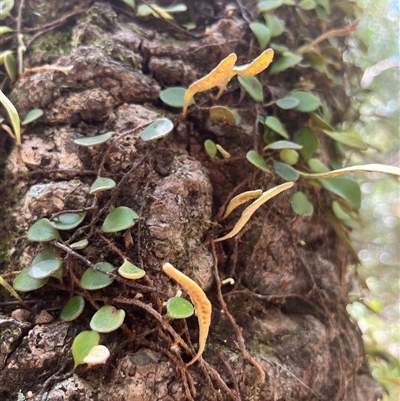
{"x": 316, "y": 166}
{"x": 287, "y": 60}
{"x": 307, "y": 5}
{"x": 102, "y": 184}
{"x": 345, "y": 187}
{"x": 94, "y": 140}
{"x": 5, "y": 8}
{"x": 262, "y": 33}
{"x": 252, "y": 86}
{"x": 143, "y": 10}
{"x": 307, "y": 101}
{"x": 24, "y": 283}
{"x": 121, "y": 218}
{"x": 282, "y": 145}
{"x": 80, "y": 244}
{"x": 210, "y": 148}
{"x": 179, "y": 308}
{"x": 68, "y": 221}
{"x": 301, "y": 205}
{"x": 32, "y": 116}
{"x": 72, "y": 309}
{"x": 275, "y": 26}
{"x": 174, "y": 96}
{"x": 107, "y": 319}
{"x": 309, "y": 142}
{"x": 256, "y": 160}
{"x": 130, "y": 271}
{"x": 221, "y": 113}
{"x": 289, "y": 156}
{"x": 268, "y": 5}
{"x": 285, "y": 171}
{"x": 287, "y": 103}
{"x": 349, "y": 138}
{"x": 95, "y": 280}
{"x": 43, "y": 231}
{"x": 44, "y": 269}
{"x": 276, "y": 126}
{"x": 157, "y": 129}
{"x": 82, "y": 345}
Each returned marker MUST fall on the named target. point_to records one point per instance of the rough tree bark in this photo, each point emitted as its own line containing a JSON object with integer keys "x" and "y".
{"x": 285, "y": 314}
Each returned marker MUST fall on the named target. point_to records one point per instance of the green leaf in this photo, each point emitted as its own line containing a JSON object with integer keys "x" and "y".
{"x": 94, "y": 140}
{"x": 68, "y": 221}
{"x": 24, "y": 283}
{"x": 285, "y": 171}
{"x": 121, "y": 218}
{"x": 72, "y": 309}
{"x": 130, "y": 271}
{"x": 309, "y": 141}
{"x": 80, "y": 244}
{"x": 130, "y": 3}
{"x": 107, "y": 319}
{"x": 175, "y": 8}
{"x": 5, "y": 8}
{"x": 268, "y": 5}
{"x": 32, "y": 116}
{"x": 307, "y": 5}
{"x": 13, "y": 115}
{"x": 349, "y": 138}
{"x": 276, "y": 126}
{"x": 282, "y": 145}
{"x": 339, "y": 211}
{"x": 287, "y": 103}
{"x": 9, "y": 63}
{"x": 275, "y": 26}
{"x": 317, "y": 166}
{"x": 179, "y": 308}
{"x": 157, "y": 129}
{"x": 256, "y": 160}
{"x": 345, "y": 187}
{"x": 221, "y": 113}
{"x": 210, "y": 148}
{"x": 102, "y": 184}
{"x": 319, "y": 122}
{"x": 287, "y": 60}
{"x": 301, "y": 205}
{"x": 43, "y": 231}
{"x": 262, "y": 33}
{"x": 143, "y": 10}
{"x": 94, "y": 280}
{"x": 44, "y": 264}
{"x": 307, "y": 101}
{"x": 252, "y": 86}
{"x": 173, "y": 96}
{"x": 82, "y": 345}
{"x": 4, "y": 29}
{"x": 289, "y": 156}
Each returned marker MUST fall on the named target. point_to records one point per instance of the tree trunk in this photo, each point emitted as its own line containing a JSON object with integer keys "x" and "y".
{"x": 281, "y": 330}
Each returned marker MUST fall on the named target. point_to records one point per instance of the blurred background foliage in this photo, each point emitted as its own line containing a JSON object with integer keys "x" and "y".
{"x": 375, "y": 296}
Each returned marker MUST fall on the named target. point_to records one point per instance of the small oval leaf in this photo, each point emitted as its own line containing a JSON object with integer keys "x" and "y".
{"x": 68, "y": 221}
{"x": 82, "y": 345}
{"x": 268, "y": 5}
{"x": 301, "y": 205}
{"x": 43, "y": 231}
{"x": 130, "y": 271}
{"x": 276, "y": 126}
{"x": 107, "y": 319}
{"x": 32, "y": 116}
{"x": 221, "y": 113}
{"x": 173, "y": 96}
{"x": 345, "y": 187}
{"x": 157, "y": 129}
{"x": 80, "y": 244}
{"x": 72, "y": 309}
{"x": 307, "y": 5}
{"x": 282, "y": 145}
{"x": 24, "y": 283}
{"x": 102, "y": 184}
{"x": 285, "y": 171}
{"x": 253, "y": 87}
{"x": 45, "y": 268}
{"x": 179, "y": 308}
{"x": 257, "y": 160}
{"x": 275, "y": 25}
{"x": 310, "y": 143}
{"x": 289, "y": 156}
{"x": 95, "y": 280}
{"x": 94, "y": 140}
{"x": 121, "y": 218}
{"x": 287, "y": 103}
{"x": 307, "y": 101}
{"x": 262, "y": 33}
{"x": 349, "y": 138}
{"x": 287, "y": 60}
{"x": 210, "y": 148}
